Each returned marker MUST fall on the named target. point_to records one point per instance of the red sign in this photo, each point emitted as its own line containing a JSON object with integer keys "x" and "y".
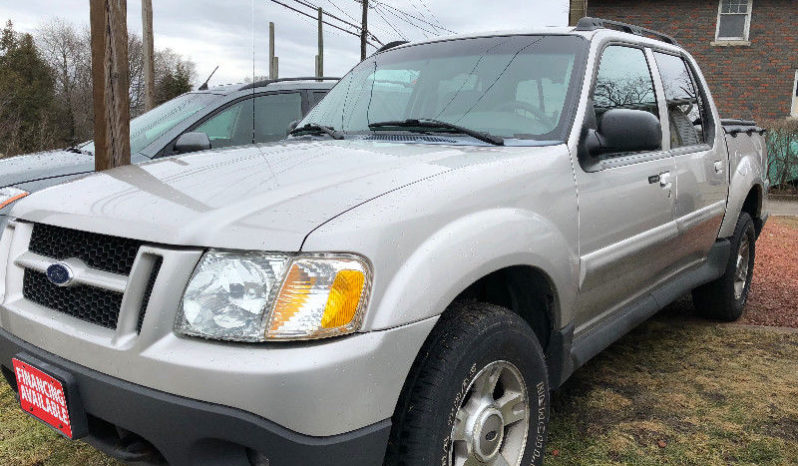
{"x": 42, "y": 396}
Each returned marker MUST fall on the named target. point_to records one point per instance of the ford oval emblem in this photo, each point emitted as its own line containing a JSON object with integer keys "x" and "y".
{"x": 60, "y": 274}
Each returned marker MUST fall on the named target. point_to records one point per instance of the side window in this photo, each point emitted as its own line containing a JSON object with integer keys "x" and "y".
{"x": 273, "y": 114}
{"x": 624, "y": 82}
{"x": 231, "y": 127}
{"x": 685, "y": 105}
{"x": 315, "y": 97}
{"x": 794, "y": 112}
{"x": 234, "y": 126}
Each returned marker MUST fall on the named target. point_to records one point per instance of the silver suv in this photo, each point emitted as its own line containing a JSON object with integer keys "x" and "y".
{"x": 448, "y": 235}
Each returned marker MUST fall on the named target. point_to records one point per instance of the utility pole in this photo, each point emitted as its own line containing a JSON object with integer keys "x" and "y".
{"x": 320, "y": 56}
{"x": 148, "y": 52}
{"x": 577, "y": 11}
{"x": 111, "y": 83}
{"x": 364, "y": 29}
{"x": 274, "y": 71}
{"x": 273, "y": 61}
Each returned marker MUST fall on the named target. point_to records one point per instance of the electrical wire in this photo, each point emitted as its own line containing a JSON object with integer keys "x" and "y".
{"x": 405, "y": 13}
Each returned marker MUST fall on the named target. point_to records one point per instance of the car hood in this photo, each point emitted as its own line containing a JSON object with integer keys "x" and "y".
{"x": 260, "y": 198}
{"x": 42, "y": 165}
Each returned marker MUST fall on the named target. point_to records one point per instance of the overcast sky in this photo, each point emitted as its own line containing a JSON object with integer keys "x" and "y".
{"x": 219, "y": 32}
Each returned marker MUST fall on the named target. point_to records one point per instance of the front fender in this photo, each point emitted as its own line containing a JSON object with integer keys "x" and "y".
{"x": 420, "y": 268}
{"x": 467, "y": 249}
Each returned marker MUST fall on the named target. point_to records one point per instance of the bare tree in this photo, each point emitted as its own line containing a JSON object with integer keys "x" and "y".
{"x": 65, "y": 48}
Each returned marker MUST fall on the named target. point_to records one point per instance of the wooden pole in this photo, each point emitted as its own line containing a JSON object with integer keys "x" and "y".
{"x": 272, "y": 58}
{"x": 320, "y": 56}
{"x": 111, "y": 83}
{"x": 148, "y": 52}
{"x": 364, "y": 28}
{"x": 577, "y": 11}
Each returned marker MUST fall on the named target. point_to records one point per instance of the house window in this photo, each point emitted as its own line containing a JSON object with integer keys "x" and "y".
{"x": 794, "y": 112}
{"x": 734, "y": 20}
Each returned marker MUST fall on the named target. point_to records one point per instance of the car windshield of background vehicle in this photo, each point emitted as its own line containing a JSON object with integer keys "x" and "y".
{"x": 520, "y": 88}
{"x": 150, "y": 126}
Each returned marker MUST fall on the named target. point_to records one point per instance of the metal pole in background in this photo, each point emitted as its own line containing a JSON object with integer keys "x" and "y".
{"x": 272, "y": 58}
{"x": 148, "y": 52}
{"x": 364, "y": 29}
{"x": 320, "y": 56}
{"x": 111, "y": 83}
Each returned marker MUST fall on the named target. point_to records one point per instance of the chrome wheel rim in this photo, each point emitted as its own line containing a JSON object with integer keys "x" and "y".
{"x": 743, "y": 264}
{"x": 492, "y": 421}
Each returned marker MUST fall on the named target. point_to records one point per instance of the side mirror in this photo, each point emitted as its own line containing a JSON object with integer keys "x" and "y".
{"x": 292, "y": 126}
{"x": 622, "y": 130}
{"x": 192, "y": 142}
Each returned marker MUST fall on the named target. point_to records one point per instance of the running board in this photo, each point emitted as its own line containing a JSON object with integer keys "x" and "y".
{"x": 622, "y": 322}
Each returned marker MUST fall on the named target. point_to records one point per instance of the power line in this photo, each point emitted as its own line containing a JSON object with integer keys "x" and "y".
{"x": 325, "y": 22}
{"x": 424, "y": 31}
{"x": 412, "y": 4}
{"x": 434, "y": 16}
{"x": 341, "y": 10}
{"x": 385, "y": 5}
{"x": 402, "y": 36}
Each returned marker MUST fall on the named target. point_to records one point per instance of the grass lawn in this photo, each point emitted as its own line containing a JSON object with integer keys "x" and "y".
{"x": 677, "y": 390}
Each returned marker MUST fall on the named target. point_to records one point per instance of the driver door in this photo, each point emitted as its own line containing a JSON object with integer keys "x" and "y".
{"x": 626, "y": 200}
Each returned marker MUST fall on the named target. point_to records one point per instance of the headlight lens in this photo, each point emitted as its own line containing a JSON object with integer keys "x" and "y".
{"x": 10, "y": 195}
{"x": 253, "y": 297}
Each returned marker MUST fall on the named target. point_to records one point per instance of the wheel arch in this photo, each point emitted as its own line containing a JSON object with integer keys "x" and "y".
{"x": 746, "y": 194}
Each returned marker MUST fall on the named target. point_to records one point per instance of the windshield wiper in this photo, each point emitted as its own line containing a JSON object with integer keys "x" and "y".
{"x": 315, "y": 128}
{"x": 427, "y": 123}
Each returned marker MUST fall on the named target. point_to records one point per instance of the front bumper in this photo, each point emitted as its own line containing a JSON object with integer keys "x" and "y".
{"x": 136, "y": 423}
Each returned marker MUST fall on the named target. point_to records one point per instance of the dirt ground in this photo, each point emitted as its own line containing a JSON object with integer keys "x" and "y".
{"x": 774, "y": 290}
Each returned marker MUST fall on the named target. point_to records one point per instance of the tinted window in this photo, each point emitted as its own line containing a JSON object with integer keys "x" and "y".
{"x": 684, "y": 103}
{"x": 234, "y": 125}
{"x": 315, "y": 97}
{"x": 273, "y": 114}
{"x": 516, "y": 87}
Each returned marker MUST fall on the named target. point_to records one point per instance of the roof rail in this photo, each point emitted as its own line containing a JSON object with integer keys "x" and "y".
{"x": 266, "y": 82}
{"x": 591, "y": 24}
{"x": 391, "y": 45}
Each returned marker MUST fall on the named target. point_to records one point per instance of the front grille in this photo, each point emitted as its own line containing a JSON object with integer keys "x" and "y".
{"x": 102, "y": 252}
{"x": 95, "y": 305}
{"x": 148, "y": 291}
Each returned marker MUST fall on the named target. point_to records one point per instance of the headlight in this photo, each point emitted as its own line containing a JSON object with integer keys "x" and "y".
{"x": 255, "y": 297}
{"x": 10, "y": 195}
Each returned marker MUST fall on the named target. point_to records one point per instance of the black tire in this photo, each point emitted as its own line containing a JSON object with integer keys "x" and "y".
{"x": 719, "y": 300}
{"x": 471, "y": 341}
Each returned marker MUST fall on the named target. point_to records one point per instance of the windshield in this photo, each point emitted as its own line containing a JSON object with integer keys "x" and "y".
{"x": 150, "y": 126}
{"x": 514, "y": 87}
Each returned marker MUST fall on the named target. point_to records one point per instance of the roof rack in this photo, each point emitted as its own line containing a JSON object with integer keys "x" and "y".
{"x": 266, "y": 82}
{"x": 591, "y": 24}
{"x": 391, "y": 45}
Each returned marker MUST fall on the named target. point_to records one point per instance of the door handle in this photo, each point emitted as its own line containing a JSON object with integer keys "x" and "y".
{"x": 718, "y": 166}
{"x": 665, "y": 180}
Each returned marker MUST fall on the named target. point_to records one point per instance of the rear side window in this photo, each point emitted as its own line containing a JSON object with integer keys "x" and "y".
{"x": 234, "y": 126}
{"x": 686, "y": 109}
{"x": 315, "y": 97}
